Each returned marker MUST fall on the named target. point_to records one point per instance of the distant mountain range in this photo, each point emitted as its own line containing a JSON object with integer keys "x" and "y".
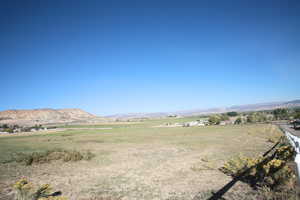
{"x": 195, "y": 112}
{"x": 44, "y": 116}
{"x": 53, "y": 116}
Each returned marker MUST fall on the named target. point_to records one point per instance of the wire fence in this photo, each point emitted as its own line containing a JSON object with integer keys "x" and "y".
{"x": 295, "y": 142}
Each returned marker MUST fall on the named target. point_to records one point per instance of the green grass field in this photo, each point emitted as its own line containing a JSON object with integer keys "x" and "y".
{"x": 135, "y": 160}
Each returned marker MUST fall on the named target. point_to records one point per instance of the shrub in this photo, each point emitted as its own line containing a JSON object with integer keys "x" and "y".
{"x": 271, "y": 140}
{"x": 25, "y": 190}
{"x": 72, "y": 156}
{"x": 271, "y": 172}
{"x": 297, "y": 115}
{"x": 224, "y": 117}
{"x": 214, "y": 119}
{"x": 238, "y": 121}
{"x": 48, "y": 156}
{"x": 256, "y": 117}
{"x": 5, "y": 126}
{"x": 280, "y": 113}
{"x": 26, "y": 129}
{"x": 8, "y": 130}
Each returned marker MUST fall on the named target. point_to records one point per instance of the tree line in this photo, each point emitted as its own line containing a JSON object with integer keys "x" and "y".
{"x": 257, "y": 116}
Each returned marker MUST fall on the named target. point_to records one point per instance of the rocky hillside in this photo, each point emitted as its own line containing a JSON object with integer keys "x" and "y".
{"x": 44, "y": 116}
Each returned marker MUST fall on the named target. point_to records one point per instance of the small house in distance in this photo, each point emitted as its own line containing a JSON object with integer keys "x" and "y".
{"x": 200, "y": 122}
{"x": 173, "y": 115}
{"x": 226, "y": 122}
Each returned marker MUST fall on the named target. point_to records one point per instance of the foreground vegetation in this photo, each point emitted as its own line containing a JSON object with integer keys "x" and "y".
{"x": 26, "y": 190}
{"x": 134, "y": 160}
{"x": 271, "y": 175}
{"x": 48, "y": 156}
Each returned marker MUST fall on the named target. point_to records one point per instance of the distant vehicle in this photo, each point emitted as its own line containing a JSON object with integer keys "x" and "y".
{"x": 292, "y": 122}
{"x": 296, "y": 124}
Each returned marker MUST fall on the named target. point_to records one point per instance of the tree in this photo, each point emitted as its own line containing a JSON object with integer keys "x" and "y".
{"x": 8, "y": 130}
{"x": 250, "y": 118}
{"x": 224, "y": 117}
{"x": 15, "y": 126}
{"x": 238, "y": 121}
{"x": 256, "y": 117}
{"x": 5, "y": 126}
{"x": 232, "y": 114}
{"x": 297, "y": 115}
{"x": 270, "y": 118}
{"x": 261, "y": 117}
{"x": 214, "y": 119}
{"x": 280, "y": 113}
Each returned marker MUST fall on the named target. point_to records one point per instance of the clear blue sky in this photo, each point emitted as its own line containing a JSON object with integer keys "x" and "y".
{"x": 122, "y": 56}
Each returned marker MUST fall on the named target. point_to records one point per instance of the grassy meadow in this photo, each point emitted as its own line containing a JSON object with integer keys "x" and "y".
{"x": 134, "y": 160}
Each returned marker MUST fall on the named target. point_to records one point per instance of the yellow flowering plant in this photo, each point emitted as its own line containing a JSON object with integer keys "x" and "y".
{"x": 26, "y": 191}
{"x": 269, "y": 171}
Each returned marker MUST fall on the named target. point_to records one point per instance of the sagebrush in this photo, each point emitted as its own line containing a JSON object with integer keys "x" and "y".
{"x": 51, "y": 155}
{"x": 271, "y": 175}
{"x": 25, "y": 190}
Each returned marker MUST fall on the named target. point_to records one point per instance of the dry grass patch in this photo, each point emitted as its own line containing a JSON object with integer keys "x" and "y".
{"x": 51, "y": 155}
{"x": 136, "y": 161}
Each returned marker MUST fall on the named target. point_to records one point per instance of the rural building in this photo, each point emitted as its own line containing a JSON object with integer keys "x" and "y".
{"x": 194, "y": 123}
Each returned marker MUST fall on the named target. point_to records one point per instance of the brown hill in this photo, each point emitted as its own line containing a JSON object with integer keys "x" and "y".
{"x": 44, "y": 116}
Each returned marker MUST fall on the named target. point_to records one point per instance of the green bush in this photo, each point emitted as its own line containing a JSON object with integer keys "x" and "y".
{"x": 8, "y": 130}
{"x": 4, "y": 126}
{"x": 256, "y": 117}
{"x": 232, "y": 114}
{"x": 297, "y": 115}
{"x": 280, "y": 113}
{"x": 238, "y": 121}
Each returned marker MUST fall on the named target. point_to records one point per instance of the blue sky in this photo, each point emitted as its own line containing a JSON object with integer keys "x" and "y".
{"x": 113, "y": 56}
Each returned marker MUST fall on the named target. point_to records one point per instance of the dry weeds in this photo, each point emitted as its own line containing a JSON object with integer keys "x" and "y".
{"x": 142, "y": 163}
